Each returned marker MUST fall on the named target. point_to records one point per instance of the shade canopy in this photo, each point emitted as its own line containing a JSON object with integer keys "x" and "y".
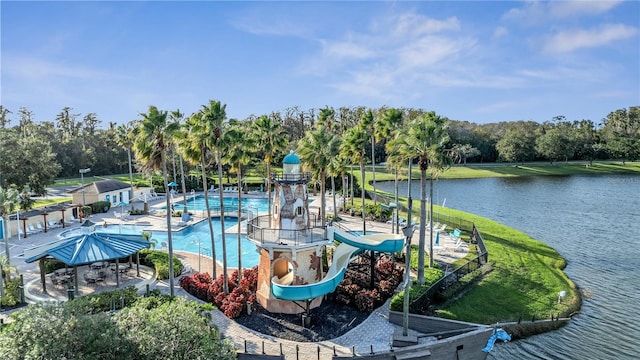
{"x": 172, "y": 184}
{"x": 92, "y": 247}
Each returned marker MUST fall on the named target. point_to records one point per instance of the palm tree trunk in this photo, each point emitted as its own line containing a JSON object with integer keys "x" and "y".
{"x": 239, "y": 220}
{"x": 214, "y": 272}
{"x": 396, "y": 191}
{"x": 344, "y": 190}
{"x": 323, "y": 198}
{"x": 130, "y": 174}
{"x": 184, "y": 187}
{"x": 364, "y": 215}
{"x": 351, "y": 165}
{"x": 269, "y": 191}
{"x": 430, "y": 221}
{"x": 225, "y": 278}
{"x": 373, "y": 168}
{"x": 169, "y": 237}
{"x": 423, "y": 219}
{"x": 333, "y": 191}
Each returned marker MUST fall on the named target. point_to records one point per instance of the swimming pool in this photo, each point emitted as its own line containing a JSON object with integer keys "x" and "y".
{"x": 187, "y": 239}
{"x": 197, "y": 203}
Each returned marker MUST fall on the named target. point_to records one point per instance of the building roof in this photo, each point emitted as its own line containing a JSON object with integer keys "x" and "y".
{"x": 89, "y": 248}
{"x": 102, "y": 186}
{"x": 292, "y": 158}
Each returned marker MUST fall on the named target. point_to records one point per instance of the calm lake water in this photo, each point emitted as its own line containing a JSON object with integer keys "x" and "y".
{"x": 594, "y": 223}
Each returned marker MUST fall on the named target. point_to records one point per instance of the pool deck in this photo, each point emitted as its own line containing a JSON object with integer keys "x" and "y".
{"x": 374, "y": 334}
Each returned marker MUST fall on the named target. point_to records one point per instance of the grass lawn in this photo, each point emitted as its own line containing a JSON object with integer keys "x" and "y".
{"x": 527, "y": 274}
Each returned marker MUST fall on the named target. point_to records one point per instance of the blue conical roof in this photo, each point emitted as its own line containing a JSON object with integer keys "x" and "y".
{"x": 292, "y": 158}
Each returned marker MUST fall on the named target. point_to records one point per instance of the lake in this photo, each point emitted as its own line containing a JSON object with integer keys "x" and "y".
{"x": 594, "y": 223}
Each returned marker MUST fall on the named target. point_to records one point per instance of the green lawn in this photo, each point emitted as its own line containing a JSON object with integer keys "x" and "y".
{"x": 527, "y": 274}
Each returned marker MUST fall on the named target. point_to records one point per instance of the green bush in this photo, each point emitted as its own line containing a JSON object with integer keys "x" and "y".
{"x": 92, "y": 304}
{"x": 160, "y": 261}
{"x": 86, "y": 211}
{"x": 51, "y": 266}
{"x": 100, "y": 207}
{"x": 11, "y": 292}
{"x": 415, "y": 292}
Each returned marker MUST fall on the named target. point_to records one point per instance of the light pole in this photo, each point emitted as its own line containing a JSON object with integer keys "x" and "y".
{"x": 82, "y": 172}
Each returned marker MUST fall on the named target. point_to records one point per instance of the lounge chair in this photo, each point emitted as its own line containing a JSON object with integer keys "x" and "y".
{"x": 455, "y": 246}
{"x": 54, "y": 224}
{"x": 31, "y": 230}
{"x": 456, "y": 233}
{"x": 39, "y": 226}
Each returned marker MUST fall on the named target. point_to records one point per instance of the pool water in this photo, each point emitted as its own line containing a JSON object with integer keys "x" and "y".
{"x": 231, "y": 203}
{"x": 190, "y": 238}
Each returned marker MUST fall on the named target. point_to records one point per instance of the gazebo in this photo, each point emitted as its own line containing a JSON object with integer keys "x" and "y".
{"x": 87, "y": 249}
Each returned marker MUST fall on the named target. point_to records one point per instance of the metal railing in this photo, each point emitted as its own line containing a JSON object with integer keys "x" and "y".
{"x": 436, "y": 290}
{"x": 260, "y": 230}
{"x": 304, "y": 177}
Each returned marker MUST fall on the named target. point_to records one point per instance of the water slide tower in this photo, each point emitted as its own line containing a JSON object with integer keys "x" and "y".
{"x": 290, "y": 248}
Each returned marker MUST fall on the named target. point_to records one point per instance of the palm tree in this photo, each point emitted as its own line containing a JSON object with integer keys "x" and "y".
{"x": 395, "y": 161}
{"x": 425, "y": 138}
{"x": 238, "y": 154}
{"x": 9, "y": 200}
{"x": 337, "y": 167}
{"x": 124, "y": 139}
{"x": 177, "y": 117}
{"x": 353, "y": 145}
{"x": 271, "y": 139}
{"x": 152, "y": 139}
{"x": 368, "y": 123}
{"x": 387, "y": 126}
{"x": 192, "y": 143}
{"x": 316, "y": 150}
{"x": 213, "y": 118}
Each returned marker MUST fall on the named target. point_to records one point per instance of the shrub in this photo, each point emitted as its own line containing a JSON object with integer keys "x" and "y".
{"x": 92, "y": 304}
{"x": 355, "y": 289}
{"x": 160, "y": 261}
{"x": 202, "y": 286}
{"x": 415, "y": 292}
{"x": 11, "y": 292}
{"x": 100, "y": 207}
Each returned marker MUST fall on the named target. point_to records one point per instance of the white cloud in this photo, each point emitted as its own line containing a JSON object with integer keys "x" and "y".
{"x": 500, "y": 31}
{"x": 394, "y": 56}
{"x": 534, "y": 12}
{"x": 565, "y": 9}
{"x": 570, "y": 40}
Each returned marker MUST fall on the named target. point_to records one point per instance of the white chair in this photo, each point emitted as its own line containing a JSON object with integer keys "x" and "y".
{"x": 39, "y": 226}
{"x": 454, "y": 247}
{"x": 117, "y": 215}
{"x": 31, "y": 230}
{"x": 54, "y": 224}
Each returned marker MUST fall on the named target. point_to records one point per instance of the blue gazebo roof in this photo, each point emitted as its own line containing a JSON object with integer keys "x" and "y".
{"x": 93, "y": 247}
{"x": 292, "y": 158}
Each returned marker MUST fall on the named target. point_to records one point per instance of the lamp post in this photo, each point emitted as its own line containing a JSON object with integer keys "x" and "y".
{"x": 82, "y": 172}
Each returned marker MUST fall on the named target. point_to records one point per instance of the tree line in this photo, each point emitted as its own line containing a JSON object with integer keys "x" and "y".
{"x": 36, "y": 152}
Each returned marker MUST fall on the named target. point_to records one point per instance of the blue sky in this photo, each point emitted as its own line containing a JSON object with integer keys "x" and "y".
{"x": 478, "y": 61}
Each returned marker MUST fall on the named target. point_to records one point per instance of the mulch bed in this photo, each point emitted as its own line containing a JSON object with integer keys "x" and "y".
{"x": 328, "y": 321}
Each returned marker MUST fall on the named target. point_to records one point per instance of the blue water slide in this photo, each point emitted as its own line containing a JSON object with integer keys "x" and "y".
{"x": 350, "y": 245}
